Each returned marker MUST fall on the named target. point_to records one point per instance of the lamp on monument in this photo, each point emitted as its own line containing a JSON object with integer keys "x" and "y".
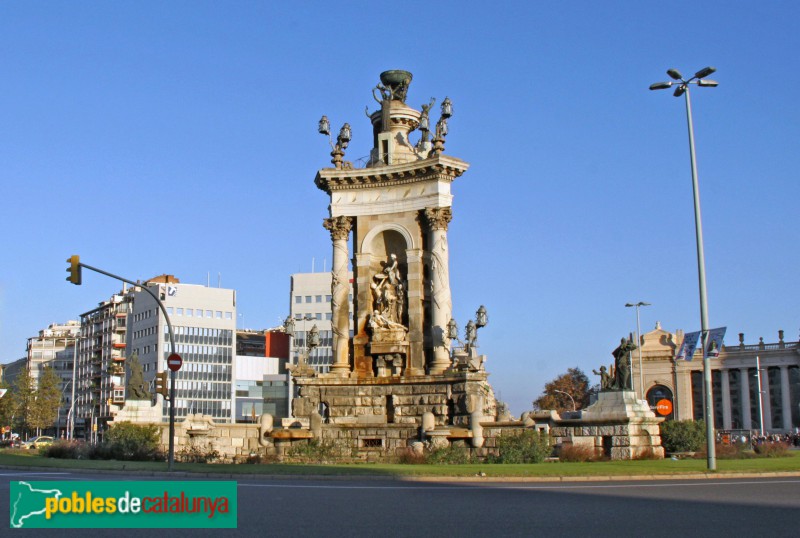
{"x": 452, "y": 329}
{"x": 481, "y": 318}
{"x": 344, "y": 136}
{"x": 288, "y": 326}
{"x": 313, "y": 338}
{"x": 324, "y": 126}
{"x": 447, "y": 108}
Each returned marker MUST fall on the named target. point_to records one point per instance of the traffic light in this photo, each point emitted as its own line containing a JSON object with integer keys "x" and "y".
{"x": 74, "y": 269}
{"x": 162, "y": 386}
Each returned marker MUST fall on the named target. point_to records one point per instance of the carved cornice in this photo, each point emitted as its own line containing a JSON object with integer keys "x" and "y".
{"x": 437, "y": 218}
{"x": 339, "y": 227}
{"x": 438, "y": 168}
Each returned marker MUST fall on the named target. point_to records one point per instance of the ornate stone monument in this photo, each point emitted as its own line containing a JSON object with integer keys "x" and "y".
{"x": 389, "y": 215}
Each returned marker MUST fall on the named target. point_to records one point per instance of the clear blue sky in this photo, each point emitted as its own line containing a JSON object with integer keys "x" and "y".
{"x": 180, "y": 138}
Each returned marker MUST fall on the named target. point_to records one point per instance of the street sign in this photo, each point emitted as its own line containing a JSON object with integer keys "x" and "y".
{"x": 174, "y": 362}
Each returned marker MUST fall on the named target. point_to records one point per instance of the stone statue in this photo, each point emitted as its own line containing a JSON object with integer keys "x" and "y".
{"x": 606, "y": 380}
{"x": 137, "y": 388}
{"x": 424, "y": 121}
{"x": 388, "y": 292}
{"x": 622, "y": 364}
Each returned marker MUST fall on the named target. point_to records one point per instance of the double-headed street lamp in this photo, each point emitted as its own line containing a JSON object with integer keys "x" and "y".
{"x": 682, "y": 88}
{"x": 639, "y": 343}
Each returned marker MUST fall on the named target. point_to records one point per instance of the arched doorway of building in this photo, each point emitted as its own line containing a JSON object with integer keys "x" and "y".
{"x": 661, "y": 402}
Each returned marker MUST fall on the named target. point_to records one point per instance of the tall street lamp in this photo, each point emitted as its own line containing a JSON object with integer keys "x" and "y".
{"x": 639, "y": 343}
{"x": 574, "y": 407}
{"x": 682, "y": 88}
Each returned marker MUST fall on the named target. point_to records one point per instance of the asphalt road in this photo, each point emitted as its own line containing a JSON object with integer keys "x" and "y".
{"x": 378, "y": 508}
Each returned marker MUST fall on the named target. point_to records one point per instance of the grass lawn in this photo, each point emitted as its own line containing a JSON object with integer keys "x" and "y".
{"x": 622, "y": 469}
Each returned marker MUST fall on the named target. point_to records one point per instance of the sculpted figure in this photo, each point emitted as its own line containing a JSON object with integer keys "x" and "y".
{"x": 137, "y": 388}
{"x": 388, "y": 292}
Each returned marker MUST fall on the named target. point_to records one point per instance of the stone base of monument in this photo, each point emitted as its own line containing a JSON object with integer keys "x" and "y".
{"x": 140, "y": 412}
{"x": 617, "y": 425}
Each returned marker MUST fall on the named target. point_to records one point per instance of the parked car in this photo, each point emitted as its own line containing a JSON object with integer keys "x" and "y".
{"x": 38, "y": 442}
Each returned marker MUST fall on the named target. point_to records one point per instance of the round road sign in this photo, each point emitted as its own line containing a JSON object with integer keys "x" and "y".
{"x": 174, "y": 362}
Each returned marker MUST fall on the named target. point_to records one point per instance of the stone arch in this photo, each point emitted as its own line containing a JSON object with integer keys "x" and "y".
{"x": 659, "y": 392}
{"x": 367, "y": 245}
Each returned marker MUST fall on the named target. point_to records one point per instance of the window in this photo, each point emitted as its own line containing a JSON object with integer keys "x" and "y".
{"x": 198, "y": 313}
{"x": 170, "y": 310}
{"x": 228, "y": 315}
{"x": 298, "y": 316}
{"x": 179, "y": 311}
{"x": 308, "y": 298}
{"x": 319, "y": 315}
{"x": 209, "y": 314}
{"x": 219, "y": 314}
{"x": 189, "y": 312}
{"x": 328, "y": 298}
{"x": 328, "y": 316}
{"x": 318, "y": 298}
{"x": 298, "y": 299}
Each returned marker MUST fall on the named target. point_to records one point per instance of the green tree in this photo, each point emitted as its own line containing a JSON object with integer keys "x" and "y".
{"x": 23, "y": 394}
{"x": 556, "y": 394}
{"x": 6, "y": 405}
{"x": 44, "y": 410}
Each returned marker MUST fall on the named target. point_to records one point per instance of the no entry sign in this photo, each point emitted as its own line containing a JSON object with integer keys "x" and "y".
{"x": 174, "y": 362}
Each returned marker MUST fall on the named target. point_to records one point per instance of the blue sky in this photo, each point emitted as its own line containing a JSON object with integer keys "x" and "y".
{"x": 181, "y": 138}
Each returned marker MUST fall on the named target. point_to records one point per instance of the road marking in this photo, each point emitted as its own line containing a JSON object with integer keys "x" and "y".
{"x": 31, "y": 474}
{"x": 660, "y": 484}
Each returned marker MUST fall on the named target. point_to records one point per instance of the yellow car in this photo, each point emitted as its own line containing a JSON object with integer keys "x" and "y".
{"x": 38, "y": 442}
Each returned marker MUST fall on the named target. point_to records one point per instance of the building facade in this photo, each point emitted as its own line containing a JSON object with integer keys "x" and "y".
{"x": 100, "y": 370}
{"x": 310, "y": 305}
{"x": 204, "y": 325}
{"x": 749, "y": 381}
{"x": 262, "y": 380}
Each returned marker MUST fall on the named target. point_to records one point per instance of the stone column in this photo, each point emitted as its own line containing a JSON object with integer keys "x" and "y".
{"x": 441, "y": 303}
{"x": 744, "y": 392}
{"x": 765, "y": 398}
{"x": 786, "y": 400}
{"x": 340, "y": 227}
{"x": 725, "y": 387}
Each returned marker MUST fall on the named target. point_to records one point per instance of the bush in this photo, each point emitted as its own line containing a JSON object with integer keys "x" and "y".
{"x": 197, "y": 454}
{"x": 127, "y": 441}
{"x": 529, "y": 446}
{"x": 581, "y": 453}
{"x": 313, "y": 452}
{"x": 448, "y": 455}
{"x": 683, "y": 435}
{"x": 66, "y": 450}
{"x": 772, "y": 450}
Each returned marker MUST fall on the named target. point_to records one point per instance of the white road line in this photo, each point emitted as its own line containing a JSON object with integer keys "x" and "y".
{"x": 31, "y": 474}
{"x": 528, "y": 487}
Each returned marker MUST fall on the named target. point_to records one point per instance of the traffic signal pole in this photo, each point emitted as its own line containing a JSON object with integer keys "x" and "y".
{"x": 75, "y": 277}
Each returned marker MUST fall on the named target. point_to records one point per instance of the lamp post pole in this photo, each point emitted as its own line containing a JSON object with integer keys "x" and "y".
{"x": 574, "y": 407}
{"x": 639, "y": 344}
{"x": 683, "y": 89}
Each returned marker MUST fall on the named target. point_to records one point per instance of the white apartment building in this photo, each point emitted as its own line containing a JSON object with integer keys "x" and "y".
{"x": 42, "y": 349}
{"x": 310, "y": 304}
{"x": 204, "y": 325}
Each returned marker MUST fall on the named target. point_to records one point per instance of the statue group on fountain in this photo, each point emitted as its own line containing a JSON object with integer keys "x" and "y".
{"x": 388, "y": 297}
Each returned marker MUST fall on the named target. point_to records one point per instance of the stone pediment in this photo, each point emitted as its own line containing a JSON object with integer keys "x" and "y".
{"x": 658, "y": 344}
{"x": 439, "y": 168}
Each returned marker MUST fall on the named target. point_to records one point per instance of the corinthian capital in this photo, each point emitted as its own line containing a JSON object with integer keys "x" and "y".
{"x": 438, "y": 217}
{"x": 339, "y": 227}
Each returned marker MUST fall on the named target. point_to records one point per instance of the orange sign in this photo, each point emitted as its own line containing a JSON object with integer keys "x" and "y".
{"x": 664, "y": 407}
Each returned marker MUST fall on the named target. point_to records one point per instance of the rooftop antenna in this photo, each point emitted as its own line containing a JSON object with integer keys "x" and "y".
{"x": 208, "y": 279}
{"x": 219, "y": 280}
{"x": 312, "y": 265}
